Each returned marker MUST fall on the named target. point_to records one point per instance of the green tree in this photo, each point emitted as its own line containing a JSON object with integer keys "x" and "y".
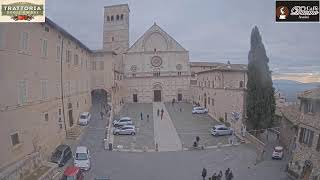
{"x": 260, "y": 98}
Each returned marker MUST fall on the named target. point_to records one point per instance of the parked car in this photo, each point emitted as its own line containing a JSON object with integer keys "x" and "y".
{"x": 125, "y": 130}
{"x": 82, "y": 158}
{"x": 61, "y": 155}
{"x": 277, "y": 152}
{"x": 219, "y": 130}
{"x": 199, "y": 110}
{"x": 73, "y": 173}
{"x": 123, "y": 121}
{"x": 84, "y": 118}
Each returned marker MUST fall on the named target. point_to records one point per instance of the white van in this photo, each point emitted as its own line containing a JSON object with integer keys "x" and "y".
{"x": 82, "y": 158}
{"x": 84, "y": 118}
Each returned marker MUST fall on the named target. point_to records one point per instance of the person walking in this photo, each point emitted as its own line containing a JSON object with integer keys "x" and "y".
{"x": 141, "y": 116}
{"x": 219, "y": 177}
{"x": 101, "y": 114}
{"x": 230, "y": 176}
{"x": 204, "y": 173}
{"x": 227, "y": 173}
{"x": 162, "y": 111}
{"x": 158, "y": 112}
{"x": 214, "y": 176}
{"x": 147, "y": 117}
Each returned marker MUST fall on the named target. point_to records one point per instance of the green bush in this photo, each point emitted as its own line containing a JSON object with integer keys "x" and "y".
{"x": 221, "y": 119}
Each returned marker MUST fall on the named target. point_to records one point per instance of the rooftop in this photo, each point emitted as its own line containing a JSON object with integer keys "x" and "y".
{"x": 310, "y": 94}
{"x": 225, "y": 67}
{"x": 291, "y": 112}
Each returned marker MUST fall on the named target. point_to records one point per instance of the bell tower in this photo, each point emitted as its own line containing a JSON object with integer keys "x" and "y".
{"x": 116, "y": 28}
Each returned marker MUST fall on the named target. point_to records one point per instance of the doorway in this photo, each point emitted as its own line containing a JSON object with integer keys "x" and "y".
{"x": 70, "y": 118}
{"x": 179, "y": 97}
{"x": 157, "y": 95}
{"x": 135, "y": 98}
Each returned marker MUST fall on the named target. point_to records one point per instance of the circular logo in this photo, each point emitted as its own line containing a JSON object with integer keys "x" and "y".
{"x": 282, "y": 12}
{"x": 179, "y": 67}
{"x": 156, "y": 61}
{"x": 133, "y": 68}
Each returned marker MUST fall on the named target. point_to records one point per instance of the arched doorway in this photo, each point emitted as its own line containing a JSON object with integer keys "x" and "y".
{"x": 157, "y": 89}
{"x": 179, "y": 95}
{"x": 134, "y": 95}
{"x": 99, "y": 96}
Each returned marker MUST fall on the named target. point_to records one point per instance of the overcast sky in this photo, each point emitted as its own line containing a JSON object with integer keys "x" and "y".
{"x": 210, "y": 30}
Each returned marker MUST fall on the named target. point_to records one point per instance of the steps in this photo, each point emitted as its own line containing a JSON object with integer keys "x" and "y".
{"x": 74, "y": 132}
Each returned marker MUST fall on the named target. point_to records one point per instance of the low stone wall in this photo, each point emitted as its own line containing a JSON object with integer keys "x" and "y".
{"x": 259, "y": 144}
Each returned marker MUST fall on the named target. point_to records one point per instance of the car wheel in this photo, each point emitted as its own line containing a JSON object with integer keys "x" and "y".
{"x": 133, "y": 133}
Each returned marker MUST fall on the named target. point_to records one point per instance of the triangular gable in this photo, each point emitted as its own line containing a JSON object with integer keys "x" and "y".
{"x": 172, "y": 44}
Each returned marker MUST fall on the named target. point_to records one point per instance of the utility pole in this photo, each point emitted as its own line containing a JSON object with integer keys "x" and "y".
{"x": 61, "y": 87}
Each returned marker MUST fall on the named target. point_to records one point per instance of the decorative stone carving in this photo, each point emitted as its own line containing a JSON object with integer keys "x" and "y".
{"x": 156, "y": 61}
{"x": 133, "y": 68}
{"x": 179, "y": 67}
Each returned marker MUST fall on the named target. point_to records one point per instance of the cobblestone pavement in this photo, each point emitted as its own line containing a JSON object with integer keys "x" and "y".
{"x": 145, "y": 133}
{"x": 190, "y": 125}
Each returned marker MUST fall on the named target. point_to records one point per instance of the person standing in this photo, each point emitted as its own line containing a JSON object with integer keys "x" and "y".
{"x": 158, "y": 112}
{"x": 219, "y": 177}
{"x": 101, "y": 114}
{"x": 230, "y": 176}
{"x": 141, "y": 116}
{"x": 214, "y": 176}
{"x": 162, "y": 111}
{"x": 204, "y": 173}
{"x": 227, "y": 173}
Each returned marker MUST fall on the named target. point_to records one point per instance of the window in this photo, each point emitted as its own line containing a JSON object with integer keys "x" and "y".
{"x": 44, "y": 47}
{"x": 86, "y": 64}
{"x": 69, "y": 87}
{"x": 58, "y": 53}
{"x": 111, "y": 18}
{"x": 46, "y": 116}
{"x": 318, "y": 144}
{"x": 59, "y": 112}
{"x": 101, "y": 65}
{"x": 205, "y": 84}
{"x": 94, "y": 65}
{"x": 241, "y": 84}
{"x": 112, "y": 38}
{"x": 76, "y": 59}
{"x": 208, "y": 83}
{"x": 68, "y": 56}
{"x": 46, "y": 28}
{"x": 208, "y": 100}
{"x": 193, "y": 74}
{"x": 108, "y": 18}
{"x": 212, "y": 102}
{"x": 121, "y": 17}
{"x": 24, "y": 41}
{"x": 22, "y": 92}
{"x": 44, "y": 88}
{"x": 212, "y": 84}
{"x": 118, "y": 17}
{"x": 179, "y": 73}
{"x": 15, "y": 139}
{"x": 156, "y": 74}
{"x": 133, "y": 75}
{"x": 306, "y": 136}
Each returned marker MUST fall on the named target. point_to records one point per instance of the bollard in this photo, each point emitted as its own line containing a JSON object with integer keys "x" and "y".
{"x": 110, "y": 146}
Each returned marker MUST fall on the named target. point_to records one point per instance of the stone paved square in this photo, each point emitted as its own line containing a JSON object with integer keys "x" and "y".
{"x": 190, "y": 125}
{"x": 145, "y": 130}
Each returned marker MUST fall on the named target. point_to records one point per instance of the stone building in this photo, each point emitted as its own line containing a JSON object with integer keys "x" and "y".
{"x": 305, "y": 163}
{"x": 221, "y": 89}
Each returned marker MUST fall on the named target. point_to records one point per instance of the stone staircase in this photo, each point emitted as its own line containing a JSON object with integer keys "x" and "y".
{"x": 74, "y": 132}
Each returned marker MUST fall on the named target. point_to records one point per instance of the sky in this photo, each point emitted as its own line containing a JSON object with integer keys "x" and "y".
{"x": 211, "y": 30}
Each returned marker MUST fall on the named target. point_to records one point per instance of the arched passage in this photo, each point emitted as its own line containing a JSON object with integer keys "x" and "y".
{"x": 157, "y": 92}
{"x": 100, "y": 96}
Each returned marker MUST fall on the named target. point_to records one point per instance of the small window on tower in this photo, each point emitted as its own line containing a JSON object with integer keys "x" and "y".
{"x": 111, "y": 18}
{"x": 155, "y": 50}
{"x": 112, "y": 38}
{"x": 117, "y": 17}
{"x": 108, "y": 18}
{"x": 121, "y": 17}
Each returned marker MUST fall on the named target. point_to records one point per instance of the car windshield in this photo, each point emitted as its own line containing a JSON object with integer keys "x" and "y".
{"x": 278, "y": 150}
{"x": 69, "y": 178}
{"x": 57, "y": 153}
{"x": 81, "y": 156}
{"x": 83, "y": 117}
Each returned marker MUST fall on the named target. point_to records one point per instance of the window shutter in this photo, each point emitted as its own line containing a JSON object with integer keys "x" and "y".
{"x": 301, "y": 135}
{"x": 310, "y": 139}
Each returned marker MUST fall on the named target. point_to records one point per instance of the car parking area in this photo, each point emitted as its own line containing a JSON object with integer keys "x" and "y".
{"x": 189, "y": 126}
{"x": 144, "y": 137}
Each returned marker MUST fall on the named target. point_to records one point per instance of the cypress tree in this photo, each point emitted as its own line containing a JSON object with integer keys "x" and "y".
{"x": 260, "y": 100}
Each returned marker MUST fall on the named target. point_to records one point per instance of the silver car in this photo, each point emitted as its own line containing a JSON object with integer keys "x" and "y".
{"x": 220, "y": 130}
{"x": 122, "y": 121}
{"x": 125, "y": 130}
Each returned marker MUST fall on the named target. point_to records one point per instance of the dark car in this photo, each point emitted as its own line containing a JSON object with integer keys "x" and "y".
{"x": 61, "y": 155}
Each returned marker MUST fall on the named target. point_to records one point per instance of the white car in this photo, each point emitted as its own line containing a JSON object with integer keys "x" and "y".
{"x": 199, "y": 110}
{"x": 123, "y": 121}
{"x": 84, "y": 118}
{"x": 125, "y": 130}
{"x": 219, "y": 130}
{"x": 277, "y": 152}
{"x": 82, "y": 158}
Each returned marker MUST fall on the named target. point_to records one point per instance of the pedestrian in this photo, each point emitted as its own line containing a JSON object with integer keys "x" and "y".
{"x": 204, "y": 173}
{"x": 147, "y": 117}
{"x": 197, "y": 139}
{"x": 230, "y": 176}
{"x": 227, "y": 173}
{"x": 162, "y": 111}
{"x": 101, "y": 114}
{"x": 180, "y": 109}
{"x": 219, "y": 175}
{"x": 141, "y": 116}
{"x": 158, "y": 112}
{"x": 214, "y": 176}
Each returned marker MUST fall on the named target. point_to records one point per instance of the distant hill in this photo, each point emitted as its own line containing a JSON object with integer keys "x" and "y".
{"x": 290, "y": 88}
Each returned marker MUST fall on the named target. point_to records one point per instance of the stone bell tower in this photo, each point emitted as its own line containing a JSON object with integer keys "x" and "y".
{"x": 116, "y": 28}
